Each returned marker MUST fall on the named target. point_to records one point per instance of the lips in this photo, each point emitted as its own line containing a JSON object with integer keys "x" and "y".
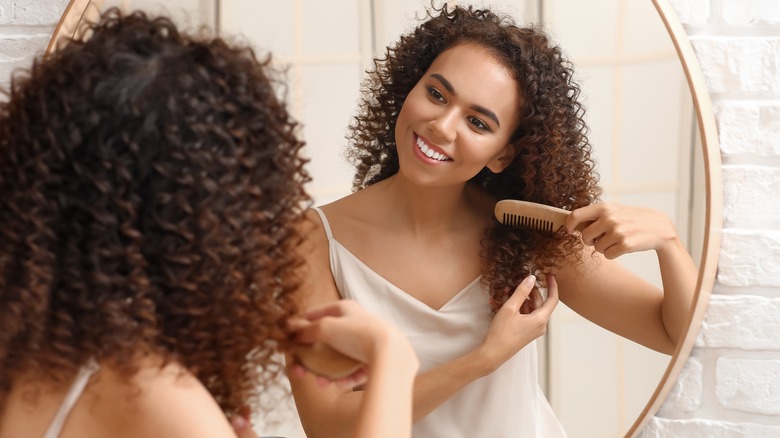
{"x": 431, "y": 151}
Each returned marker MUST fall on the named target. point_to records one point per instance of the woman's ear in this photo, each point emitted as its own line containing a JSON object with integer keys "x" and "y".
{"x": 503, "y": 160}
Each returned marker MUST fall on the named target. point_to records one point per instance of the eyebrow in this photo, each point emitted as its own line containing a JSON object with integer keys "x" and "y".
{"x": 478, "y": 108}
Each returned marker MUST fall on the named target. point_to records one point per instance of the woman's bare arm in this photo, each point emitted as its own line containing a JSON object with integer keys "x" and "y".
{"x": 610, "y": 295}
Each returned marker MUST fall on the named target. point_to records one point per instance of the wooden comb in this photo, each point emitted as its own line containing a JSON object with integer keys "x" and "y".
{"x": 514, "y": 213}
{"x": 323, "y": 360}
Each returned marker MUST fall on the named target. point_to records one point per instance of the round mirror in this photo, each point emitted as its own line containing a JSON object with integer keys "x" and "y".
{"x": 650, "y": 120}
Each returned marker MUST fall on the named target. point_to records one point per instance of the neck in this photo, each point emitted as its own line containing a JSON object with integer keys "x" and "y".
{"x": 427, "y": 209}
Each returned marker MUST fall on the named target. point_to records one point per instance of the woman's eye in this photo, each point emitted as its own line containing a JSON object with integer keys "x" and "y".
{"x": 479, "y": 124}
{"x": 436, "y": 94}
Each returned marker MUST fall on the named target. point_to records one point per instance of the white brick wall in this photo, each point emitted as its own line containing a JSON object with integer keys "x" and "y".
{"x": 730, "y": 386}
{"x": 762, "y": 120}
{"x": 25, "y": 28}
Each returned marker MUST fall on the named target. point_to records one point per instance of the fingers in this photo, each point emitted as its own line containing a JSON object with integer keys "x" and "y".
{"x": 297, "y": 324}
{"x": 336, "y": 308}
{"x": 305, "y": 328}
{"x": 535, "y": 298}
{"x": 583, "y": 217}
{"x": 586, "y": 220}
{"x": 308, "y": 332}
{"x": 552, "y": 295}
{"x": 521, "y": 293}
{"x": 610, "y": 248}
{"x": 359, "y": 377}
{"x": 619, "y": 229}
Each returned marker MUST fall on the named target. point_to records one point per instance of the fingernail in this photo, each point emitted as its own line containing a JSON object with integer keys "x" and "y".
{"x": 530, "y": 279}
{"x": 293, "y": 324}
{"x": 239, "y": 422}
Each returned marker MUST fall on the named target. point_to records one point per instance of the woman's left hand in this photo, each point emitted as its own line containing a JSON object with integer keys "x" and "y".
{"x": 616, "y": 229}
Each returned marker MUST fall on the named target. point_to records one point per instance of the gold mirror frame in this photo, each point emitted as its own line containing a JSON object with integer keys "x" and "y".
{"x": 713, "y": 216}
{"x": 76, "y": 14}
{"x": 79, "y": 10}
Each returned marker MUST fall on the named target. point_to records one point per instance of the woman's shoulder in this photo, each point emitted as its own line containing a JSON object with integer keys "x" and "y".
{"x": 352, "y": 207}
{"x": 162, "y": 400}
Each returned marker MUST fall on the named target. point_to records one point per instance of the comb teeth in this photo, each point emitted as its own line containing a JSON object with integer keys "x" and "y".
{"x": 515, "y": 220}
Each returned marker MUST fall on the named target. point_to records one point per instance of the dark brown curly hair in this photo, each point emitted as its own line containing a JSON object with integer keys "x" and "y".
{"x": 151, "y": 186}
{"x": 553, "y": 163}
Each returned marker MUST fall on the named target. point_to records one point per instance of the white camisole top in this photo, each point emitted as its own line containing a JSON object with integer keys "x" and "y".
{"x": 505, "y": 404}
{"x": 73, "y": 395}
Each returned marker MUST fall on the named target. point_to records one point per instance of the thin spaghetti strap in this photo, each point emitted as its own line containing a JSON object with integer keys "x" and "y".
{"x": 76, "y": 389}
{"x": 325, "y": 222}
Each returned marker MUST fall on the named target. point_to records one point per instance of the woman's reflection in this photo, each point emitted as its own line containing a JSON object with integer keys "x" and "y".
{"x": 465, "y": 110}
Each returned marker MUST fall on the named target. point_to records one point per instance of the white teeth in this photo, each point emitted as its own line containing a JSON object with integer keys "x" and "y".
{"x": 430, "y": 153}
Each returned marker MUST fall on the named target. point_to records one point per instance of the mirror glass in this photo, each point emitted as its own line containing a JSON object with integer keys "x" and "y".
{"x": 643, "y": 126}
{"x": 639, "y": 111}
{"x": 642, "y": 123}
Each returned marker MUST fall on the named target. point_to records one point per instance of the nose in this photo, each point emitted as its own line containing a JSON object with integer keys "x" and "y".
{"x": 444, "y": 126}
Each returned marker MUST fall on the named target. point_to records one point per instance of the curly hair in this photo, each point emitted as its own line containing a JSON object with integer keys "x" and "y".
{"x": 151, "y": 187}
{"x": 553, "y": 162}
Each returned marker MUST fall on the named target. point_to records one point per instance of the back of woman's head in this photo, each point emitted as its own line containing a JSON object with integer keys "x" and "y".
{"x": 150, "y": 182}
{"x": 552, "y": 163}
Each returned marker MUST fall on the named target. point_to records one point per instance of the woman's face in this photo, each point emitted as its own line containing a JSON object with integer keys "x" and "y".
{"x": 458, "y": 118}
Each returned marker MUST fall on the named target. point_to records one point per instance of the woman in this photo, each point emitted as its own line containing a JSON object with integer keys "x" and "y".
{"x": 151, "y": 189}
{"x": 466, "y": 110}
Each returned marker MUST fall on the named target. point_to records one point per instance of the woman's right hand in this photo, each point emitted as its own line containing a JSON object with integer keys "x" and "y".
{"x": 521, "y": 319}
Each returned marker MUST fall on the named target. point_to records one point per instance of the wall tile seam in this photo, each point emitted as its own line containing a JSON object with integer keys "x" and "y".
{"x": 21, "y": 24}
{"x": 739, "y": 166}
{"x": 734, "y": 31}
{"x": 735, "y": 353}
{"x": 715, "y": 421}
{"x": 743, "y": 96}
{"x": 755, "y": 162}
{"x": 33, "y": 33}
{"x": 729, "y": 298}
{"x": 724, "y": 100}
{"x": 718, "y": 352}
{"x": 767, "y": 352}
{"x": 755, "y": 291}
{"x": 713, "y": 409}
{"x": 706, "y": 428}
{"x": 750, "y": 161}
{"x": 741, "y": 37}
{"x": 746, "y": 295}
{"x": 26, "y": 32}
{"x": 730, "y": 291}
{"x": 759, "y": 228}
{"x": 727, "y": 362}
{"x": 8, "y": 24}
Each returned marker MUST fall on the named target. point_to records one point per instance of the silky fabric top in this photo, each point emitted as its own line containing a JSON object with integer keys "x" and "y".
{"x": 73, "y": 395}
{"x": 508, "y": 403}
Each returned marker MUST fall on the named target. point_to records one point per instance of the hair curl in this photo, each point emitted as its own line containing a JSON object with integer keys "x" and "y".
{"x": 553, "y": 162}
{"x": 151, "y": 183}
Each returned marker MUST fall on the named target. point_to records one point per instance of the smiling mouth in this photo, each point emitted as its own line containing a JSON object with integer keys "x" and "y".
{"x": 429, "y": 152}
